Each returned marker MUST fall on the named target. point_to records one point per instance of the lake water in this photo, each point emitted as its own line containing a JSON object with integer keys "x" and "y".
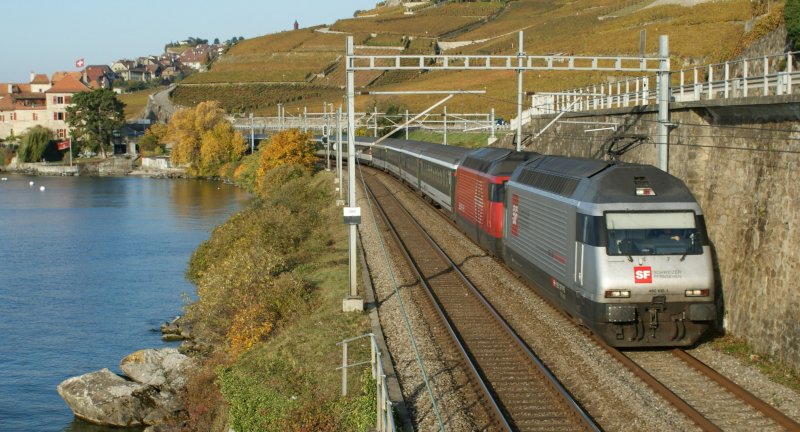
{"x": 89, "y": 269}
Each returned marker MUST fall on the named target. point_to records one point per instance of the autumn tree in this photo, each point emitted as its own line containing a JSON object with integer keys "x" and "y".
{"x": 153, "y": 139}
{"x": 94, "y": 116}
{"x": 290, "y": 147}
{"x": 204, "y": 139}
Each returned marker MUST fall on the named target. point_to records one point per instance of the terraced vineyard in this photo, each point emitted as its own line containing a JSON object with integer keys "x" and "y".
{"x": 304, "y": 67}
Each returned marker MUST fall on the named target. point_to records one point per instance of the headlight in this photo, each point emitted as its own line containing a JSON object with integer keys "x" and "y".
{"x": 618, "y": 294}
{"x": 696, "y": 293}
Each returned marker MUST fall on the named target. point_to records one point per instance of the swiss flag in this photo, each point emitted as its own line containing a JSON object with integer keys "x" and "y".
{"x": 63, "y": 145}
{"x": 79, "y": 63}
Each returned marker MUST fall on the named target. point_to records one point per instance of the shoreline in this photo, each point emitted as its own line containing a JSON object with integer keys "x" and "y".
{"x": 111, "y": 167}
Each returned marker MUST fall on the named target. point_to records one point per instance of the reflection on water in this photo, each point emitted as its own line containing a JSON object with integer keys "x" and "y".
{"x": 89, "y": 268}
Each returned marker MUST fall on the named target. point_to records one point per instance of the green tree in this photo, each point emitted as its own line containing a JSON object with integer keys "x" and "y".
{"x": 791, "y": 14}
{"x": 34, "y": 144}
{"x": 94, "y": 116}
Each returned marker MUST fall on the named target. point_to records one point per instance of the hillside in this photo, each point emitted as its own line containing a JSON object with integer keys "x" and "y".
{"x": 306, "y": 68}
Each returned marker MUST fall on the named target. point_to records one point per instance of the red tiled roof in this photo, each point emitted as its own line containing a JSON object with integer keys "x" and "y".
{"x": 93, "y": 73}
{"x": 68, "y": 85}
{"x": 58, "y": 76}
{"x": 40, "y": 79}
{"x": 6, "y": 103}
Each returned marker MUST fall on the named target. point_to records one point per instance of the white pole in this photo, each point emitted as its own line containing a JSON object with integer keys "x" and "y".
{"x": 339, "y": 150}
{"x": 406, "y": 124}
{"x": 493, "y": 124}
{"x": 351, "y": 160}
{"x": 520, "y": 55}
{"x": 252, "y": 136}
{"x": 663, "y": 104}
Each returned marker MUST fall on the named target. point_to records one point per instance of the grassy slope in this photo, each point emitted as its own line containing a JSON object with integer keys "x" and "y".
{"x": 136, "y": 102}
{"x": 705, "y": 33}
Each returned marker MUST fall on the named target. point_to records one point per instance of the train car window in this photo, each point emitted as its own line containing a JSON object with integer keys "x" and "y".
{"x": 653, "y": 233}
{"x": 591, "y": 230}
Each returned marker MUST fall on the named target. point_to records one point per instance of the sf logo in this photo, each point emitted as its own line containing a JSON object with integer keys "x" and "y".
{"x": 643, "y": 274}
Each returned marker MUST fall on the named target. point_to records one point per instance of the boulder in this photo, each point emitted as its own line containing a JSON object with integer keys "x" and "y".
{"x": 157, "y": 367}
{"x": 106, "y": 398}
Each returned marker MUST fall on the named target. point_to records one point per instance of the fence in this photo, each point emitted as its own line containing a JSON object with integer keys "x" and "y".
{"x": 385, "y": 414}
{"x": 772, "y": 75}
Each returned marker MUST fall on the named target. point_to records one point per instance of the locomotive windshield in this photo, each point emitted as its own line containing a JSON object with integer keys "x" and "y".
{"x": 657, "y": 233}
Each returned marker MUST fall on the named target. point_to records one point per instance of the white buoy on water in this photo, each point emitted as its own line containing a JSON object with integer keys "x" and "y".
{"x": 4, "y": 179}
{"x": 41, "y": 188}
{"x": 30, "y": 183}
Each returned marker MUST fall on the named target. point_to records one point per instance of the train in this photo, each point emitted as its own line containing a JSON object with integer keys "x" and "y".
{"x": 621, "y": 248}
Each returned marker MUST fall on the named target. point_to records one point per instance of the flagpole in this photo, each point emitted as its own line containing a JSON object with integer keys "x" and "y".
{"x": 70, "y": 152}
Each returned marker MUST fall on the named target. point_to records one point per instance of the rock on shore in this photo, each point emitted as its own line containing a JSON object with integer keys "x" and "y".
{"x": 147, "y": 396}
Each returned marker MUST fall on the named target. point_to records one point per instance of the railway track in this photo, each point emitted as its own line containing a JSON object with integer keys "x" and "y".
{"x": 521, "y": 392}
{"x": 709, "y": 399}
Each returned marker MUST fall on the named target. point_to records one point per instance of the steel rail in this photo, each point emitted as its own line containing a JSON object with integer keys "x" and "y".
{"x": 738, "y": 391}
{"x": 662, "y": 390}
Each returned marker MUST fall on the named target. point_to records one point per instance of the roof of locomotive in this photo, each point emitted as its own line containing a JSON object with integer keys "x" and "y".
{"x": 598, "y": 181}
{"x": 496, "y": 161}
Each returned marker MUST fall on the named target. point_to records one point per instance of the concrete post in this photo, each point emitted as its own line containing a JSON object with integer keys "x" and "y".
{"x": 663, "y": 104}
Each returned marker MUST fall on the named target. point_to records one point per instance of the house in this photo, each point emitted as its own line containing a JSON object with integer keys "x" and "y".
{"x": 138, "y": 73}
{"x": 154, "y": 70}
{"x": 39, "y": 83}
{"x": 121, "y": 67}
{"x": 194, "y": 59}
{"x": 98, "y": 76}
{"x": 38, "y": 103}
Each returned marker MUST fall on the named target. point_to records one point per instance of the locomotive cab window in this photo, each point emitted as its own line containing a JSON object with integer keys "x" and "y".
{"x": 657, "y": 233}
{"x": 497, "y": 192}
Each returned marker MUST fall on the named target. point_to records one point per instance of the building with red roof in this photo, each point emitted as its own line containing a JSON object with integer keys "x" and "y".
{"x": 38, "y": 103}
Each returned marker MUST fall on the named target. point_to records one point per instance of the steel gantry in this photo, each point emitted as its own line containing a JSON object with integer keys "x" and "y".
{"x": 521, "y": 62}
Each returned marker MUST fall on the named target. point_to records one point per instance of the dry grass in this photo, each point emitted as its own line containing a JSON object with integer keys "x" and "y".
{"x": 266, "y": 67}
{"x": 136, "y": 102}
{"x": 411, "y": 25}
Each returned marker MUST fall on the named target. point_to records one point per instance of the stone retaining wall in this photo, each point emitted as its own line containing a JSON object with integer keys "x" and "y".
{"x": 741, "y": 163}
